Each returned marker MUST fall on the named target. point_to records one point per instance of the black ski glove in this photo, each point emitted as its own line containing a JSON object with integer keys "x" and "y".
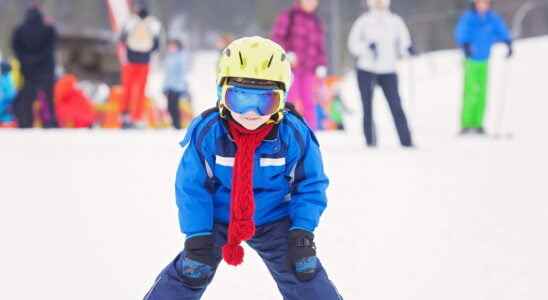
{"x": 199, "y": 262}
{"x": 467, "y": 50}
{"x": 374, "y": 50}
{"x": 302, "y": 254}
{"x": 201, "y": 249}
{"x": 510, "y": 49}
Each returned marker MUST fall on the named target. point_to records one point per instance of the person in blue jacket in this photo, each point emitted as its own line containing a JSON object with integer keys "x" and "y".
{"x": 477, "y": 31}
{"x": 177, "y": 67}
{"x": 251, "y": 171}
{"x": 7, "y": 93}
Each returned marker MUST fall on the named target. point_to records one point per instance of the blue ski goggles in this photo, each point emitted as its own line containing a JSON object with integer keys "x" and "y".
{"x": 244, "y": 99}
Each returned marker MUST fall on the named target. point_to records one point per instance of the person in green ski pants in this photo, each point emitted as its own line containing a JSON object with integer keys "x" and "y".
{"x": 477, "y": 31}
{"x": 475, "y": 94}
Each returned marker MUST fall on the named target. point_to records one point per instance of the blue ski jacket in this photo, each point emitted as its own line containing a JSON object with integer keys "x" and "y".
{"x": 481, "y": 32}
{"x": 288, "y": 175}
{"x": 7, "y": 89}
{"x": 177, "y": 68}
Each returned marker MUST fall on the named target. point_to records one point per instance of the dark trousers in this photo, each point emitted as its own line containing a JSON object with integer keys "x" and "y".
{"x": 25, "y": 100}
{"x": 389, "y": 84}
{"x": 270, "y": 242}
{"x": 173, "y": 98}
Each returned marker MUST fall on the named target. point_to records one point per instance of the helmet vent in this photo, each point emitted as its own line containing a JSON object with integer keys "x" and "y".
{"x": 227, "y": 52}
{"x": 283, "y": 57}
{"x": 270, "y": 61}
{"x": 241, "y": 58}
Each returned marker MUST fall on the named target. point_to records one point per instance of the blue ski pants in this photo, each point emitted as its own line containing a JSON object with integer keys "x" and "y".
{"x": 271, "y": 243}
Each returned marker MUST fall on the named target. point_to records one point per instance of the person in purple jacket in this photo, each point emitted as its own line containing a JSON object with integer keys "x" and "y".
{"x": 300, "y": 31}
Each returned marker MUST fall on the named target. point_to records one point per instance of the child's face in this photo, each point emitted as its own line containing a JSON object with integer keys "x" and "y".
{"x": 250, "y": 120}
{"x": 172, "y": 47}
{"x": 483, "y": 5}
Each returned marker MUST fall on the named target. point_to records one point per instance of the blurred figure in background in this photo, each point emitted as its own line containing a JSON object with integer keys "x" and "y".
{"x": 378, "y": 39}
{"x": 177, "y": 67}
{"x": 34, "y": 44}
{"x": 301, "y": 33}
{"x": 74, "y": 109}
{"x": 141, "y": 38}
{"x": 476, "y": 32}
{"x": 7, "y": 93}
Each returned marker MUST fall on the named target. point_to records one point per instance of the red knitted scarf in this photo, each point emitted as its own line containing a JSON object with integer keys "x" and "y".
{"x": 242, "y": 205}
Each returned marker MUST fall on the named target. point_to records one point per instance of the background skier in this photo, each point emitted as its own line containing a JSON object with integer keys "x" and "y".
{"x": 177, "y": 66}
{"x": 378, "y": 38}
{"x": 476, "y": 32}
{"x": 301, "y": 33}
{"x": 141, "y": 38}
{"x": 34, "y": 43}
{"x": 7, "y": 93}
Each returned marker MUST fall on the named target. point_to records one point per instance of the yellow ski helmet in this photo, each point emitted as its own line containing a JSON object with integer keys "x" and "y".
{"x": 254, "y": 58}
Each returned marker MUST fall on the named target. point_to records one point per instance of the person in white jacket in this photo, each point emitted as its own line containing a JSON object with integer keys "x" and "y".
{"x": 378, "y": 39}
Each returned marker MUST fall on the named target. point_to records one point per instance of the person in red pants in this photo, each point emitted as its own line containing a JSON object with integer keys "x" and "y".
{"x": 140, "y": 36}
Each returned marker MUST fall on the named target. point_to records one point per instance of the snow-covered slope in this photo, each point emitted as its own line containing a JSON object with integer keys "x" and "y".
{"x": 91, "y": 214}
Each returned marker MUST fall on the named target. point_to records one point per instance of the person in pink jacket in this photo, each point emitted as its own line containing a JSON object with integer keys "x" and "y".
{"x": 300, "y": 31}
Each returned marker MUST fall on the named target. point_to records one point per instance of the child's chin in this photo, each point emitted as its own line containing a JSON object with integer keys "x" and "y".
{"x": 251, "y": 125}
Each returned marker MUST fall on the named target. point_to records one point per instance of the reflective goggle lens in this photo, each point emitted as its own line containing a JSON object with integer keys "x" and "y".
{"x": 262, "y": 101}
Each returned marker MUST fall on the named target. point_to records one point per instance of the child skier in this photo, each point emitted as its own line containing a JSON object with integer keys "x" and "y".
{"x": 251, "y": 171}
{"x": 477, "y": 30}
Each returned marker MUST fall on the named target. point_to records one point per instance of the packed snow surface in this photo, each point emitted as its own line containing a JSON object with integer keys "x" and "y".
{"x": 90, "y": 214}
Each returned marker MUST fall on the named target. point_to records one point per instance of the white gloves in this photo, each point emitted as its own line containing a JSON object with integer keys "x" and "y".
{"x": 321, "y": 71}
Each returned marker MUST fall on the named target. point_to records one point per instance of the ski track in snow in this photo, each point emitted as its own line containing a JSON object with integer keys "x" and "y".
{"x": 91, "y": 214}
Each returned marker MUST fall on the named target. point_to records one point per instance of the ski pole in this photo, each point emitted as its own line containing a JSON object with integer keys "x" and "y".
{"x": 498, "y": 130}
